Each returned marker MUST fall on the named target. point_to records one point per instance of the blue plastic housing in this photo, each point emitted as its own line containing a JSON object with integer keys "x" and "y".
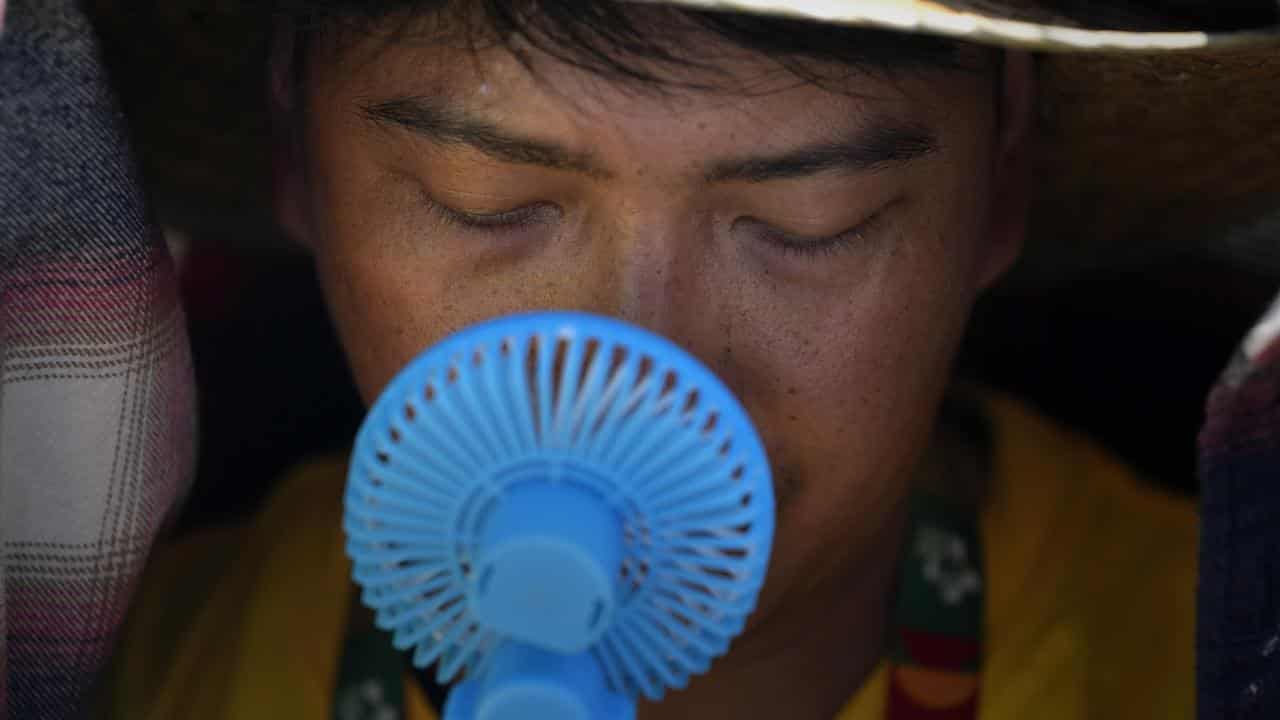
{"x": 566, "y": 509}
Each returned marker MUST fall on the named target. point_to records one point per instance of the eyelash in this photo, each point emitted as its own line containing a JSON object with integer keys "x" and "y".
{"x": 811, "y": 247}
{"x": 786, "y": 243}
{"x": 520, "y": 217}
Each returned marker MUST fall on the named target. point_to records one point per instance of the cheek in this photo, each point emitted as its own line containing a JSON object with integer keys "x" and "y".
{"x": 394, "y": 286}
{"x": 373, "y": 334}
{"x": 388, "y": 308}
{"x": 393, "y": 289}
{"x": 384, "y": 307}
{"x": 846, "y": 391}
{"x": 838, "y": 367}
{"x": 855, "y": 396}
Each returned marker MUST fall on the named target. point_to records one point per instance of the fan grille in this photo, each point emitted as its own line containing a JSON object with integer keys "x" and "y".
{"x": 571, "y": 399}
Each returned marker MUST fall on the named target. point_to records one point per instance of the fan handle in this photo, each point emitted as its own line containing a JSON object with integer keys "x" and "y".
{"x": 523, "y": 682}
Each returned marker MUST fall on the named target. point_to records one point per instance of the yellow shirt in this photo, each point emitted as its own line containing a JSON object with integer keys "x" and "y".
{"x": 1089, "y": 599}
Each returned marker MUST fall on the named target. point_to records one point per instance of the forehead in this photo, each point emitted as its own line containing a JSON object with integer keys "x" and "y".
{"x": 735, "y": 88}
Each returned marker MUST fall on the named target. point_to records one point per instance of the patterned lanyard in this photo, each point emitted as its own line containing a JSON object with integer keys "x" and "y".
{"x": 934, "y": 647}
{"x": 936, "y": 629}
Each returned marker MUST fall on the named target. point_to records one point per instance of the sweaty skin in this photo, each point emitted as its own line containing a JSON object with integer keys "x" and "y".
{"x": 568, "y": 190}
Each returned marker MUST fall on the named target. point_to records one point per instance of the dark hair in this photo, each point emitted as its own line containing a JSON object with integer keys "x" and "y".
{"x": 633, "y": 41}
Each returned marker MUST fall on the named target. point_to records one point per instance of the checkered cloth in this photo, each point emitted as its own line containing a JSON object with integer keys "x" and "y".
{"x": 96, "y": 404}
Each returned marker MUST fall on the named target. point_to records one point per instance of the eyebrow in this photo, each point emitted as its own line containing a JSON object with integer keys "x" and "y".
{"x": 877, "y": 145}
{"x": 432, "y": 119}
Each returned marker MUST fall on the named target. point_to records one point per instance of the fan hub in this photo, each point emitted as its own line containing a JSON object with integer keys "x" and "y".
{"x": 549, "y": 559}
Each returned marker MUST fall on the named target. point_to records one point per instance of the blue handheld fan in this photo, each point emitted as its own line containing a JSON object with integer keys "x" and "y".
{"x": 567, "y": 510}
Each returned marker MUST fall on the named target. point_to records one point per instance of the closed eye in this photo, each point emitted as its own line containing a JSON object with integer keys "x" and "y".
{"x": 516, "y": 218}
{"x": 807, "y": 245}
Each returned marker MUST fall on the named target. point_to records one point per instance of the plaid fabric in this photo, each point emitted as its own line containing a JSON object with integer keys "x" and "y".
{"x": 1238, "y": 645}
{"x": 96, "y": 404}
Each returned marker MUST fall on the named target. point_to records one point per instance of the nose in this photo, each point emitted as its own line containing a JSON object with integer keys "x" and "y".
{"x": 648, "y": 285}
{"x": 674, "y": 278}
{"x": 664, "y": 271}
{"x": 652, "y": 277}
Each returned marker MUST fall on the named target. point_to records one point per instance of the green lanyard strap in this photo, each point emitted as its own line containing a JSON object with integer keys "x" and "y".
{"x": 936, "y": 630}
{"x": 371, "y": 673}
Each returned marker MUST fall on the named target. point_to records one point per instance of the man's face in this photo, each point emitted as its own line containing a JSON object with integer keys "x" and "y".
{"x": 819, "y": 247}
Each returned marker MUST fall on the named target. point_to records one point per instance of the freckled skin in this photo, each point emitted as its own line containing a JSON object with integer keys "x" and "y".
{"x": 840, "y": 358}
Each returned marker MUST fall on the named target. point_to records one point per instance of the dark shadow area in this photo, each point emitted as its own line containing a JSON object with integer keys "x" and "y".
{"x": 273, "y": 384}
{"x": 1126, "y": 356}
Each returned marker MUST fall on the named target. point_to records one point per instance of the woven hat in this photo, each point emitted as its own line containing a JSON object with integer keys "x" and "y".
{"x": 1159, "y": 119}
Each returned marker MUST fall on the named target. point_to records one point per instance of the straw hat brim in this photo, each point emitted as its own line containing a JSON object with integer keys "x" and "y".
{"x": 1149, "y": 131}
{"x": 1009, "y": 23}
